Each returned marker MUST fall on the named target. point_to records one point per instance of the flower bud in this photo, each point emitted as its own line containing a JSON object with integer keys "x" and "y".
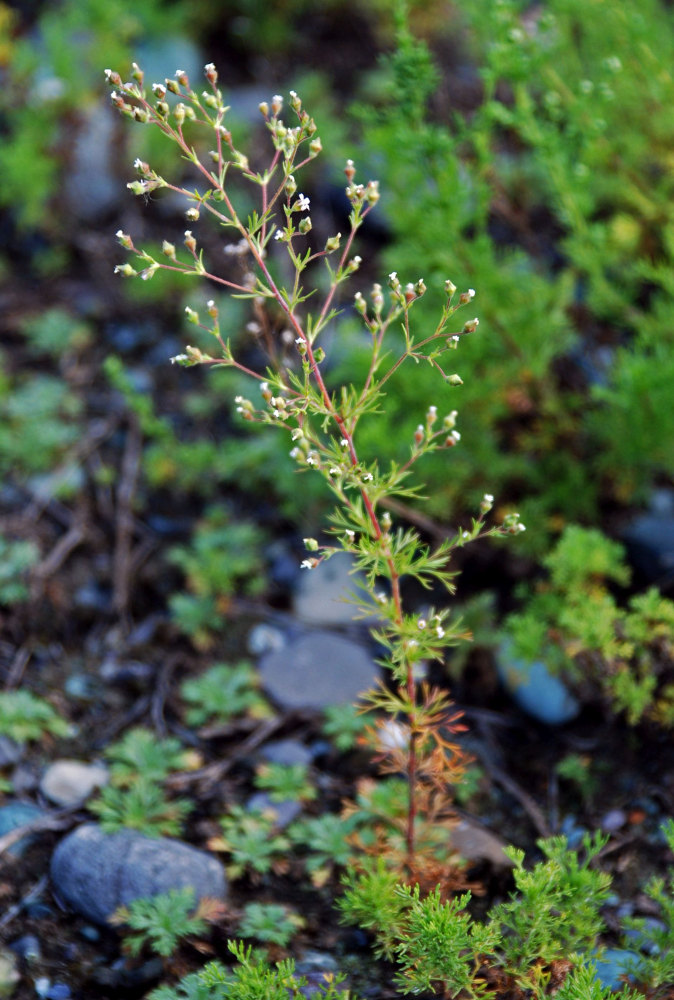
{"x": 290, "y": 186}
{"x": 419, "y": 287}
{"x": 486, "y": 503}
{"x": 452, "y": 439}
{"x": 113, "y": 78}
{"x": 419, "y": 434}
{"x": 159, "y": 90}
{"x": 162, "y": 109}
{"x": 372, "y": 195}
{"x": 192, "y": 214}
{"x": 124, "y": 239}
{"x": 276, "y": 104}
{"x": 315, "y": 147}
{"x": 168, "y": 249}
{"x": 137, "y": 73}
{"x": 450, "y": 420}
{"x": 349, "y": 170}
{"x": 465, "y": 297}
{"x": 360, "y": 304}
{"x": 125, "y": 270}
{"x": 310, "y": 544}
{"x": 179, "y": 114}
{"x": 181, "y": 77}
{"x": 332, "y": 243}
{"x": 450, "y": 287}
{"x": 264, "y": 108}
{"x": 172, "y": 86}
{"x": 192, "y": 315}
{"x": 305, "y": 226}
{"x": 190, "y": 241}
{"x": 211, "y": 73}
{"x": 410, "y": 295}
{"x": 471, "y": 326}
{"x": 354, "y": 264}
{"x": 454, "y": 380}
{"x": 295, "y": 102}
{"x": 212, "y": 309}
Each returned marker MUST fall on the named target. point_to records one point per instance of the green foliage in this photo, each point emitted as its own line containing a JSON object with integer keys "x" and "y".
{"x": 143, "y": 806}
{"x": 555, "y": 912}
{"x": 38, "y": 423}
{"x": 573, "y": 621}
{"x": 56, "y": 332}
{"x": 160, "y": 922}
{"x": 135, "y": 798}
{"x": 250, "y": 839}
{"x": 140, "y": 754}
{"x": 223, "y": 559}
{"x": 442, "y": 943}
{"x": 327, "y": 839}
{"x": 252, "y": 978}
{"x": 224, "y": 691}
{"x": 51, "y": 78}
{"x": 286, "y": 782}
{"x": 269, "y": 923}
{"x": 17, "y": 557}
{"x": 24, "y": 716}
{"x": 652, "y": 939}
{"x": 344, "y": 724}
{"x": 582, "y": 983}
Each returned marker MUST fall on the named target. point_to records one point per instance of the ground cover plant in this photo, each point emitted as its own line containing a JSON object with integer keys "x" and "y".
{"x": 129, "y": 638}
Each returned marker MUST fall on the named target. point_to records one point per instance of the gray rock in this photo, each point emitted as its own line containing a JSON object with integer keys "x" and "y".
{"x": 650, "y": 546}
{"x": 70, "y": 782}
{"x": 283, "y": 812}
{"x": 317, "y": 670}
{"x": 14, "y": 815}
{"x": 10, "y": 752}
{"x": 96, "y": 872}
{"x": 323, "y": 593}
{"x": 263, "y": 638}
{"x": 539, "y": 693}
{"x": 611, "y": 964}
{"x": 613, "y": 820}
{"x": 475, "y": 842}
{"x": 286, "y": 752}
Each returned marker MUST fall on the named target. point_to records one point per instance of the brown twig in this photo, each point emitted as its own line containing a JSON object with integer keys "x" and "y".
{"x": 124, "y": 522}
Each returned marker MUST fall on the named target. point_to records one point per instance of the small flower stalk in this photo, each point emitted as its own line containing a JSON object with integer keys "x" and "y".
{"x": 415, "y": 734}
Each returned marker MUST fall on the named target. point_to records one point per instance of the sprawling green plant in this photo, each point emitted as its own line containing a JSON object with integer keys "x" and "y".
{"x": 161, "y": 922}
{"x": 573, "y": 622}
{"x": 25, "y": 716}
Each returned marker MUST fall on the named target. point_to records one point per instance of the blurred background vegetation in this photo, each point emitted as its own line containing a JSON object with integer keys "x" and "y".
{"x": 524, "y": 150}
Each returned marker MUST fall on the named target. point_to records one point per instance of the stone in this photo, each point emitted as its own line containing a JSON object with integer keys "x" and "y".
{"x": 10, "y": 752}
{"x": 317, "y": 670}
{"x": 323, "y": 594}
{"x": 286, "y": 752}
{"x": 611, "y": 964}
{"x": 14, "y": 815}
{"x": 475, "y": 843}
{"x": 283, "y": 812}
{"x": 95, "y": 872}
{"x": 263, "y": 638}
{"x": 613, "y": 820}
{"x": 539, "y": 693}
{"x": 70, "y": 782}
{"x": 650, "y": 546}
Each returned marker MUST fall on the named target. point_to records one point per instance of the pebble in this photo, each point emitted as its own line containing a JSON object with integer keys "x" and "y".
{"x": 611, "y": 964}
{"x": 265, "y": 638}
{"x": 317, "y": 670}
{"x": 650, "y": 546}
{"x": 286, "y": 752}
{"x": 70, "y": 782}
{"x": 16, "y": 814}
{"x": 26, "y": 947}
{"x": 613, "y": 820}
{"x": 10, "y": 752}
{"x": 284, "y": 812}
{"x": 475, "y": 843}
{"x": 96, "y": 872}
{"x": 539, "y": 693}
{"x": 323, "y": 594}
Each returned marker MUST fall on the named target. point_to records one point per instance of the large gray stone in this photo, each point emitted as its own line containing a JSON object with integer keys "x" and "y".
{"x": 95, "y": 872}
{"x": 537, "y": 691}
{"x": 317, "y": 670}
{"x": 324, "y": 594}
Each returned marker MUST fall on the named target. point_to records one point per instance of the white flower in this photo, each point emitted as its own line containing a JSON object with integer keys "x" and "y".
{"x": 179, "y": 358}
{"x": 471, "y": 293}
{"x": 344, "y": 443}
{"x": 138, "y": 163}
{"x": 367, "y": 477}
{"x": 307, "y": 564}
{"x": 422, "y": 623}
{"x": 440, "y": 632}
{"x": 488, "y": 498}
{"x": 333, "y": 470}
{"x": 393, "y": 276}
{"x": 278, "y": 235}
{"x": 303, "y": 203}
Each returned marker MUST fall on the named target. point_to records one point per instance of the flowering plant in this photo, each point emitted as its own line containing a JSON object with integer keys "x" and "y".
{"x": 322, "y": 421}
